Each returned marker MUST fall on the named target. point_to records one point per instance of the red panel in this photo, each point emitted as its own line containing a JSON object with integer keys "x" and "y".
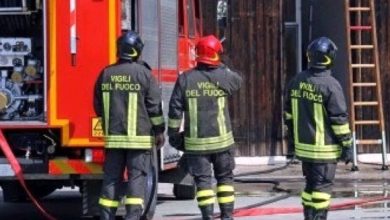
{"x": 75, "y": 83}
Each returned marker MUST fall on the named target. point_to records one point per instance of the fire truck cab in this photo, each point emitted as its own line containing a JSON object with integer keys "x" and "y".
{"x": 51, "y": 52}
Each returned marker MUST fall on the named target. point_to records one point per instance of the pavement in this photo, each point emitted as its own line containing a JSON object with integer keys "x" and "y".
{"x": 271, "y": 192}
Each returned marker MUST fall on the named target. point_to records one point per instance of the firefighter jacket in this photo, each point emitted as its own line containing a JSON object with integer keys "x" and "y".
{"x": 128, "y": 99}
{"x": 316, "y": 114}
{"x": 201, "y": 94}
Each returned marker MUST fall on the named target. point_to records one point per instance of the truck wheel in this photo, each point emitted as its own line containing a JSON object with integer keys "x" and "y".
{"x": 184, "y": 191}
{"x": 151, "y": 188}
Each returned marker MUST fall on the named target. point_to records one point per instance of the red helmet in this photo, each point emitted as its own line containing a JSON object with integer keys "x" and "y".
{"x": 208, "y": 50}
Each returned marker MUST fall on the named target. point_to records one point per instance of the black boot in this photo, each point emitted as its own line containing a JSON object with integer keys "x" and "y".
{"x": 207, "y": 212}
{"x": 226, "y": 211}
{"x": 320, "y": 214}
{"x": 133, "y": 212}
{"x": 107, "y": 213}
{"x": 308, "y": 212}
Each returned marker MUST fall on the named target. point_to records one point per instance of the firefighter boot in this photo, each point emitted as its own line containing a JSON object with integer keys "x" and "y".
{"x": 320, "y": 214}
{"x": 107, "y": 213}
{"x": 308, "y": 212}
{"x": 133, "y": 212}
{"x": 207, "y": 212}
{"x": 226, "y": 210}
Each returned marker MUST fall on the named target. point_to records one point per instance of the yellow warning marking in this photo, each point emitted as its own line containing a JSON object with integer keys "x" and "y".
{"x": 97, "y": 129}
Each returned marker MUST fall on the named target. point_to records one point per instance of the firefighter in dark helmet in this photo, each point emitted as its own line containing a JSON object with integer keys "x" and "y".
{"x": 201, "y": 95}
{"x": 128, "y": 100}
{"x": 316, "y": 115}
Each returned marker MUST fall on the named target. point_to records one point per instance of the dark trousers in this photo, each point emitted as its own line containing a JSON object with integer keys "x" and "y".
{"x": 319, "y": 176}
{"x": 317, "y": 194}
{"x": 200, "y": 166}
{"x": 137, "y": 163}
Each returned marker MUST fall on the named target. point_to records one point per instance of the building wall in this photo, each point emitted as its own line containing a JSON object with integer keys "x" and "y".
{"x": 255, "y": 46}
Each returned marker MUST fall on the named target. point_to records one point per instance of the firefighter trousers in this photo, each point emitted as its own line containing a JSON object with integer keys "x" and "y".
{"x": 137, "y": 163}
{"x": 202, "y": 167}
{"x": 317, "y": 193}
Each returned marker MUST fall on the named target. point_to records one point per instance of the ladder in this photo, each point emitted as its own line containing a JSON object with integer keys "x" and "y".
{"x": 366, "y": 107}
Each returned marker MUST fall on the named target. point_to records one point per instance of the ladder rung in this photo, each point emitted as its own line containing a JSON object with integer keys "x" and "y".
{"x": 362, "y": 46}
{"x": 359, "y": 9}
{"x": 366, "y": 84}
{"x": 367, "y": 122}
{"x": 369, "y": 141}
{"x": 363, "y": 65}
{"x": 360, "y": 28}
{"x": 365, "y": 103}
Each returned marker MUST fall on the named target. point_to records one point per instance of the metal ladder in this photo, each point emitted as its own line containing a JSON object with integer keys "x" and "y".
{"x": 364, "y": 78}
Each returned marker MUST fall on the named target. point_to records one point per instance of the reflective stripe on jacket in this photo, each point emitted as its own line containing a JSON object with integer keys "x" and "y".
{"x": 128, "y": 99}
{"x": 201, "y": 94}
{"x": 316, "y": 114}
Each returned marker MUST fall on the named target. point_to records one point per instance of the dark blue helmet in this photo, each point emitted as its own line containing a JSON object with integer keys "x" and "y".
{"x": 129, "y": 46}
{"x": 321, "y": 53}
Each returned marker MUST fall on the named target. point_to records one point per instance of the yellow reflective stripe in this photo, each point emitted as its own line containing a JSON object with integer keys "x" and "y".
{"x": 221, "y": 115}
{"x": 323, "y": 148}
{"x": 206, "y": 202}
{"x": 204, "y": 193}
{"x": 174, "y": 123}
{"x": 158, "y": 120}
{"x": 134, "y": 201}
{"x": 208, "y": 146}
{"x": 226, "y": 199}
{"x": 287, "y": 115}
{"x": 321, "y": 195}
{"x": 341, "y": 129}
{"x": 306, "y": 196}
{"x": 317, "y": 155}
{"x": 320, "y": 127}
{"x": 209, "y": 140}
{"x": 132, "y": 114}
{"x": 320, "y": 205}
{"x": 225, "y": 188}
{"x": 127, "y": 145}
{"x": 348, "y": 142}
{"x": 108, "y": 202}
{"x": 106, "y": 108}
{"x": 193, "y": 111}
{"x": 294, "y": 104}
{"x": 141, "y": 139}
{"x": 328, "y": 61}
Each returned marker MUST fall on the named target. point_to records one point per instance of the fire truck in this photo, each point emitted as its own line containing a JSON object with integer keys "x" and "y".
{"x": 51, "y": 52}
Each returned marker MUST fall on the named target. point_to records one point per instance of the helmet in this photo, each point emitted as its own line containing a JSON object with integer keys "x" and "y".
{"x": 129, "y": 46}
{"x": 208, "y": 50}
{"x": 321, "y": 53}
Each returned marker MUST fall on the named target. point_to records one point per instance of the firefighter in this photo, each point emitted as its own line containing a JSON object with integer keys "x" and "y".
{"x": 128, "y": 99}
{"x": 201, "y": 94}
{"x": 316, "y": 115}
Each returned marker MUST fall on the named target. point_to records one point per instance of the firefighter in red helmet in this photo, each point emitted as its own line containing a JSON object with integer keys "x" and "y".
{"x": 128, "y": 99}
{"x": 201, "y": 95}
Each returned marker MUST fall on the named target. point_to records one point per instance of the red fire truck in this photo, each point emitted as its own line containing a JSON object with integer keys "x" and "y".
{"x": 51, "y": 52}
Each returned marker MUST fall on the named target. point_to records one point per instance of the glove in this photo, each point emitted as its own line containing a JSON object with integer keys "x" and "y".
{"x": 346, "y": 154}
{"x": 159, "y": 140}
{"x": 177, "y": 141}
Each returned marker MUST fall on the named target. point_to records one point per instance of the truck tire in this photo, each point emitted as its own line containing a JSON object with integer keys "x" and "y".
{"x": 151, "y": 188}
{"x": 184, "y": 191}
